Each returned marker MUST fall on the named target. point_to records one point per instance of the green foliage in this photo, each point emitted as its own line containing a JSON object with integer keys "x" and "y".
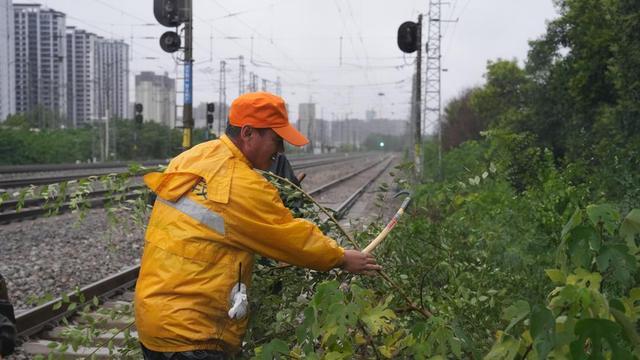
{"x": 501, "y": 102}
{"x": 585, "y": 315}
{"x": 23, "y": 142}
{"x": 91, "y": 330}
{"x": 343, "y": 322}
{"x": 491, "y": 228}
{"x": 461, "y": 122}
{"x": 24, "y": 146}
{"x": 577, "y": 96}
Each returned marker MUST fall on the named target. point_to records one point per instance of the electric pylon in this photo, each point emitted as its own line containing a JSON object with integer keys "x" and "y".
{"x": 432, "y": 93}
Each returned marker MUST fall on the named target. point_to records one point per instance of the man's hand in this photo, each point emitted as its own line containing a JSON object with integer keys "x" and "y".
{"x": 357, "y": 262}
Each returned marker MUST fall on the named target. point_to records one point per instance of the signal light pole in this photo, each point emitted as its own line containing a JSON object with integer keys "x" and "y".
{"x": 187, "y": 108}
{"x": 409, "y": 40}
{"x": 172, "y": 13}
{"x": 138, "y": 118}
{"x": 417, "y": 136}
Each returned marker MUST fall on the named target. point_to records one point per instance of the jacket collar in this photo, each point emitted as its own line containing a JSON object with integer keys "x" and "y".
{"x": 234, "y": 150}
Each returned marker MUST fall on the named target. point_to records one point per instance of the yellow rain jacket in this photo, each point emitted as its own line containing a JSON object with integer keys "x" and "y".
{"x": 213, "y": 212}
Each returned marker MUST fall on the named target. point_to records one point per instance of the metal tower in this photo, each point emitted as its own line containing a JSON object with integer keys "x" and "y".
{"x": 432, "y": 95}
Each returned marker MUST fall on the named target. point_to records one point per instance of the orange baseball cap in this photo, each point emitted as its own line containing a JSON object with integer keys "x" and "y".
{"x": 265, "y": 110}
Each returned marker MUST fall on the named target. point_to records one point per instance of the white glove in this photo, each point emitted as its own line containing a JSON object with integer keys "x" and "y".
{"x": 239, "y": 301}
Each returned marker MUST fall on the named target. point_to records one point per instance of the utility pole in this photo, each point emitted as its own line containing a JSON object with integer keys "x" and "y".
{"x": 254, "y": 82}
{"x": 253, "y": 78}
{"x": 417, "y": 136}
{"x": 187, "y": 108}
{"x": 241, "y": 75}
{"x": 106, "y": 134}
{"x": 222, "y": 96}
{"x": 340, "y": 50}
{"x": 173, "y": 13}
{"x": 409, "y": 40}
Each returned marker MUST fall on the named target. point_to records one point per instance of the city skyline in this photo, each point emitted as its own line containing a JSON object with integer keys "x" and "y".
{"x": 342, "y": 56}
{"x": 74, "y": 76}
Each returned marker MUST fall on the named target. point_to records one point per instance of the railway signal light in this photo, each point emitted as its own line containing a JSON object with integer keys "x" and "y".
{"x": 211, "y": 107}
{"x": 408, "y": 37}
{"x": 169, "y": 13}
{"x": 170, "y": 41}
{"x": 138, "y": 113}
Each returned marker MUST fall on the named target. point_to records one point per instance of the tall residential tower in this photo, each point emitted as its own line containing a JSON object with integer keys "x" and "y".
{"x": 7, "y": 73}
{"x": 112, "y": 66}
{"x": 81, "y": 77}
{"x": 40, "y": 61}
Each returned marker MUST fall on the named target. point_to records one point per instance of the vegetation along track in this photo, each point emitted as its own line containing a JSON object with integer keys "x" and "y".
{"x": 15, "y": 210}
{"x": 78, "y": 326}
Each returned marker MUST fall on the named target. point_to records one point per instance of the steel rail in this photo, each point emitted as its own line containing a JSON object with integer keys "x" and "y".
{"x": 31, "y": 168}
{"x": 342, "y": 210}
{"x": 39, "y": 202}
{"x": 24, "y": 169}
{"x": 66, "y": 207}
{"x": 34, "y": 320}
{"x": 327, "y": 186}
{"x": 16, "y": 183}
{"x": 20, "y": 169}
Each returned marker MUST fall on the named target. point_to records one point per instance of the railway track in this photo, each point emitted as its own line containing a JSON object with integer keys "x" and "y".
{"x": 118, "y": 165}
{"x": 16, "y": 210}
{"x": 298, "y": 163}
{"x": 102, "y": 332}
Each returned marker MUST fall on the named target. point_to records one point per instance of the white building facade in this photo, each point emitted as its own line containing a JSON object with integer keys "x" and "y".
{"x": 112, "y": 78}
{"x": 157, "y": 94}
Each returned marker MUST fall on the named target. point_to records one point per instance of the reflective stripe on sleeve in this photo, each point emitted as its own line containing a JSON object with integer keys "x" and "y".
{"x": 198, "y": 212}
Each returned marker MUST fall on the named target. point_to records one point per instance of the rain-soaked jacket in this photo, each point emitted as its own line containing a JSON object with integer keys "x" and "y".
{"x": 213, "y": 212}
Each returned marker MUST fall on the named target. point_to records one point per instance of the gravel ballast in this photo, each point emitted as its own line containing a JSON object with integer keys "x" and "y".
{"x": 51, "y": 256}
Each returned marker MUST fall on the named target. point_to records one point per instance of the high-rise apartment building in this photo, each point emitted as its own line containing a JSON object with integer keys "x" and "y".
{"x": 157, "y": 94}
{"x": 112, "y": 78}
{"x": 81, "y": 77}
{"x": 306, "y": 122}
{"x": 98, "y": 78}
{"x": 7, "y": 73}
{"x": 40, "y": 60}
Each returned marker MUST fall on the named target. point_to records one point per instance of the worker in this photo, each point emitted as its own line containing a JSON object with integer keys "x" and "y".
{"x": 7, "y": 322}
{"x": 212, "y": 214}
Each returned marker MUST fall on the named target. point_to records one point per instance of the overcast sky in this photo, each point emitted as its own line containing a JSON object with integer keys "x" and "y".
{"x": 299, "y": 40}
